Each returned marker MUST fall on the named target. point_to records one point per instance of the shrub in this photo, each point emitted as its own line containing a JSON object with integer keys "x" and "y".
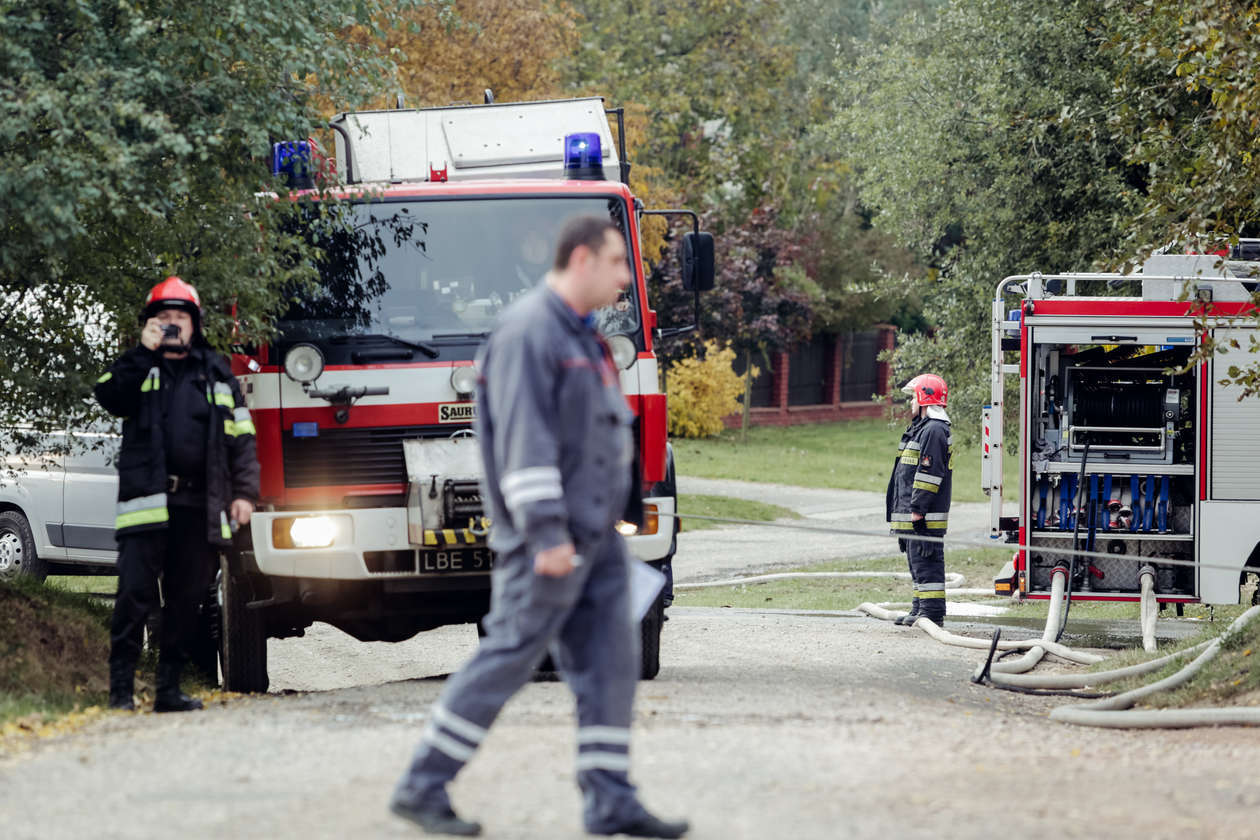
{"x": 702, "y": 390}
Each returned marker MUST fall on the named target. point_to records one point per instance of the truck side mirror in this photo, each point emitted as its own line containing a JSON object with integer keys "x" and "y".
{"x": 697, "y": 262}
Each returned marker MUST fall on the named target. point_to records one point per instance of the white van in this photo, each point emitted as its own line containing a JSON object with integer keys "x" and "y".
{"x": 57, "y": 511}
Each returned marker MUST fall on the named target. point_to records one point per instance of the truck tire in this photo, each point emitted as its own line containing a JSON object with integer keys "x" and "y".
{"x": 203, "y": 655}
{"x": 650, "y": 639}
{"x": 243, "y": 634}
{"x": 17, "y": 548}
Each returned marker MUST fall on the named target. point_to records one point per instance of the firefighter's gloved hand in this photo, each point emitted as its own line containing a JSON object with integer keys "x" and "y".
{"x": 919, "y": 525}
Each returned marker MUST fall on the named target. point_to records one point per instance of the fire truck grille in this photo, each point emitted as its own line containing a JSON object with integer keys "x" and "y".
{"x": 339, "y": 457}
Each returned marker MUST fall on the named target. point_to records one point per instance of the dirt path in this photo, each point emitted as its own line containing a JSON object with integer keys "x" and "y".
{"x": 760, "y": 725}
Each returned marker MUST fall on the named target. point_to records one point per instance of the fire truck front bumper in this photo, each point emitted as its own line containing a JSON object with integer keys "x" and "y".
{"x": 366, "y": 544}
{"x": 373, "y": 543}
{"x": 655, "y": 540}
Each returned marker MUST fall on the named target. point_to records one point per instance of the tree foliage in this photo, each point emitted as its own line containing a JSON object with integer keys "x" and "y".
{"x": 453, "y": 53}
{"x": 757, "y": 303}
{"x": 1188, "y": 110}
{"x": 981, "y": 137}
{"x": 134, "y": 140}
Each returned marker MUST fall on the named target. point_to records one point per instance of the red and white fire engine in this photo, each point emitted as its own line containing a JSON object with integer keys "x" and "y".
{"x": 1126, "y": 446}
{"x": 372, "y": 518}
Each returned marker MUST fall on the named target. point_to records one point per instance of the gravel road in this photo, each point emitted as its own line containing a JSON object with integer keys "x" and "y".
{"x": 760, "y": 725}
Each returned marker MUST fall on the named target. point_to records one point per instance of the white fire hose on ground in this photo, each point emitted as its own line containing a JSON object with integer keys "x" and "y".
{"x": 1036, "y": 648}
{"x": 1113, "y": 711}
{"x": 1116, "y": 712}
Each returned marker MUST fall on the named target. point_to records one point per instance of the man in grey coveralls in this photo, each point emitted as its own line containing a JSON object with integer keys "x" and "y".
{"x": 555, "y": 436}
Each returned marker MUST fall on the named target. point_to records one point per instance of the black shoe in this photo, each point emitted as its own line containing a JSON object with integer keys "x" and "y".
{"x": 907, "y": 619}
{"x": 435, "y": 820}
{"x": 650, "y": 826}
{"x": 122, "y": 687}
{"x": 938, "y": 620}
{"x": 168, "y": 697}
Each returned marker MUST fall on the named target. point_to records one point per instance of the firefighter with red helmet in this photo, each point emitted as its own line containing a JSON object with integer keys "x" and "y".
{"x": 187, "y": 469}
{"x": 919, "y": 494}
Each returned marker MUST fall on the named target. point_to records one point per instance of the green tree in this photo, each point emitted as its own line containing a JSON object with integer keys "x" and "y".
{"x": 134, "y": 141}
{"x": 712, "y": 75}
{"x": 980, "y": 136}
{"x": 1187, "y": 109}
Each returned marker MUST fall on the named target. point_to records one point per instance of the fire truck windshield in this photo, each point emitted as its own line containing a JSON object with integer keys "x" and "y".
{"x": 435, "y": 270}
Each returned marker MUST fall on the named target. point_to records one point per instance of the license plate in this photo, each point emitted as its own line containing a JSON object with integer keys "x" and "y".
{"x": 445, "y": 561}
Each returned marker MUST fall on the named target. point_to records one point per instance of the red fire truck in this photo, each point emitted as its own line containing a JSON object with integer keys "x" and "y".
{"x": 372, "y": 518}
{"x": 1127, "y": 447}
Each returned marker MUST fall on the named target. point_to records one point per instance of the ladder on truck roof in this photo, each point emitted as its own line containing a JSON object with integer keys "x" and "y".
{"x": 468, "y": 142}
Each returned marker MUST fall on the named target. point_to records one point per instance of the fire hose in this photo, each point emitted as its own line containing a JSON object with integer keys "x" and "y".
{"x": 1110, "y": 711}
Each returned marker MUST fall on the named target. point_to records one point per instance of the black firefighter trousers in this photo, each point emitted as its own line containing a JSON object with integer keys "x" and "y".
{"x": 185, "y": 561}
{"x": 927, "y": 570}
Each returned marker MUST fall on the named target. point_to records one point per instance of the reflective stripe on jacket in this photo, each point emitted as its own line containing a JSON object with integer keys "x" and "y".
{"x": 131, "y": 389}
{"x": 922, "y": 477}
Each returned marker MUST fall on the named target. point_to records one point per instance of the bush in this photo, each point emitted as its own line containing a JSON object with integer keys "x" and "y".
{"x": 702, "y": 390}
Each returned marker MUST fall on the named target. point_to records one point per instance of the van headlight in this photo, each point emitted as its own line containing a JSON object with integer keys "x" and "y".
{"x": 308, "y": 531}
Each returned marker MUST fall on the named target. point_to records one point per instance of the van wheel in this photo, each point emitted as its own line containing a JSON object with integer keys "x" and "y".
{"x": 243, "y": 635}
{"x": 17, "y": 548}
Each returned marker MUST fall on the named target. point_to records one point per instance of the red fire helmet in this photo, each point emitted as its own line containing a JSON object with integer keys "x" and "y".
{"x": 928, "y": 389}
{"x": 173, "y": 293}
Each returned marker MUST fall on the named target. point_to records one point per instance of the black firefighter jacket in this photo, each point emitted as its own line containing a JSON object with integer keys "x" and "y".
{"x": 131, "y": 389}
{"x": 921, "y": 478}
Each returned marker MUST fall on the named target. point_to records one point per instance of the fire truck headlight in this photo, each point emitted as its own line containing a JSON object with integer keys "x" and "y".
{"x": 623, "y": 351}
{"x": 308, "y": 531}
{"x": 651, "y": 524}
{"x": 464, "y": 379}
{"x": 303, "y": 363}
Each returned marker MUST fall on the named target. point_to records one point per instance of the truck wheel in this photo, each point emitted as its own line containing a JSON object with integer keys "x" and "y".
{"x": 17, "y": 548}
{"x": 650, "y": 638}
{"x": 204, "y": 653}
{"x": 243, "y": 633}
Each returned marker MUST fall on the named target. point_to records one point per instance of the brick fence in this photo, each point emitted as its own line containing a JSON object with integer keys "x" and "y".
{"x": 779, "y": 409}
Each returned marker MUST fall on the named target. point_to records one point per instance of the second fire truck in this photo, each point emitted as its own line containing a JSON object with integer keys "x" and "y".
{"x": 1129, "y": 444}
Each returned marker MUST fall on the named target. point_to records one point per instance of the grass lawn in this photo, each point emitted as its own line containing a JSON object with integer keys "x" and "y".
{"x": 851, "y": 455}
{"x": 88, "y": 584}
{"x": 700, "y": 504}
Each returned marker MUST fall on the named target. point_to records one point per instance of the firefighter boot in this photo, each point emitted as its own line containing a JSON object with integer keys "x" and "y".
{"x": 168, "y": 697}
{"x": 910, "y": 617}
{"x": 933, "y": 609}
{"x": 122, "y": 686}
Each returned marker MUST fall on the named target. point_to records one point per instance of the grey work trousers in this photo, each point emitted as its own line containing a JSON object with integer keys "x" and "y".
{"x": 584, "y": 619}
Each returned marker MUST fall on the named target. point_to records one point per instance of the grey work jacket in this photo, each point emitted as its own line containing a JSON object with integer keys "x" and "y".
{"x": 554, "y": 429}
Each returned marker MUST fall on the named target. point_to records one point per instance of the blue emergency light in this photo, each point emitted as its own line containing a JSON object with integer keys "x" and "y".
{"x": 583, "y": 157}
{"x": 293, "y": 159}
